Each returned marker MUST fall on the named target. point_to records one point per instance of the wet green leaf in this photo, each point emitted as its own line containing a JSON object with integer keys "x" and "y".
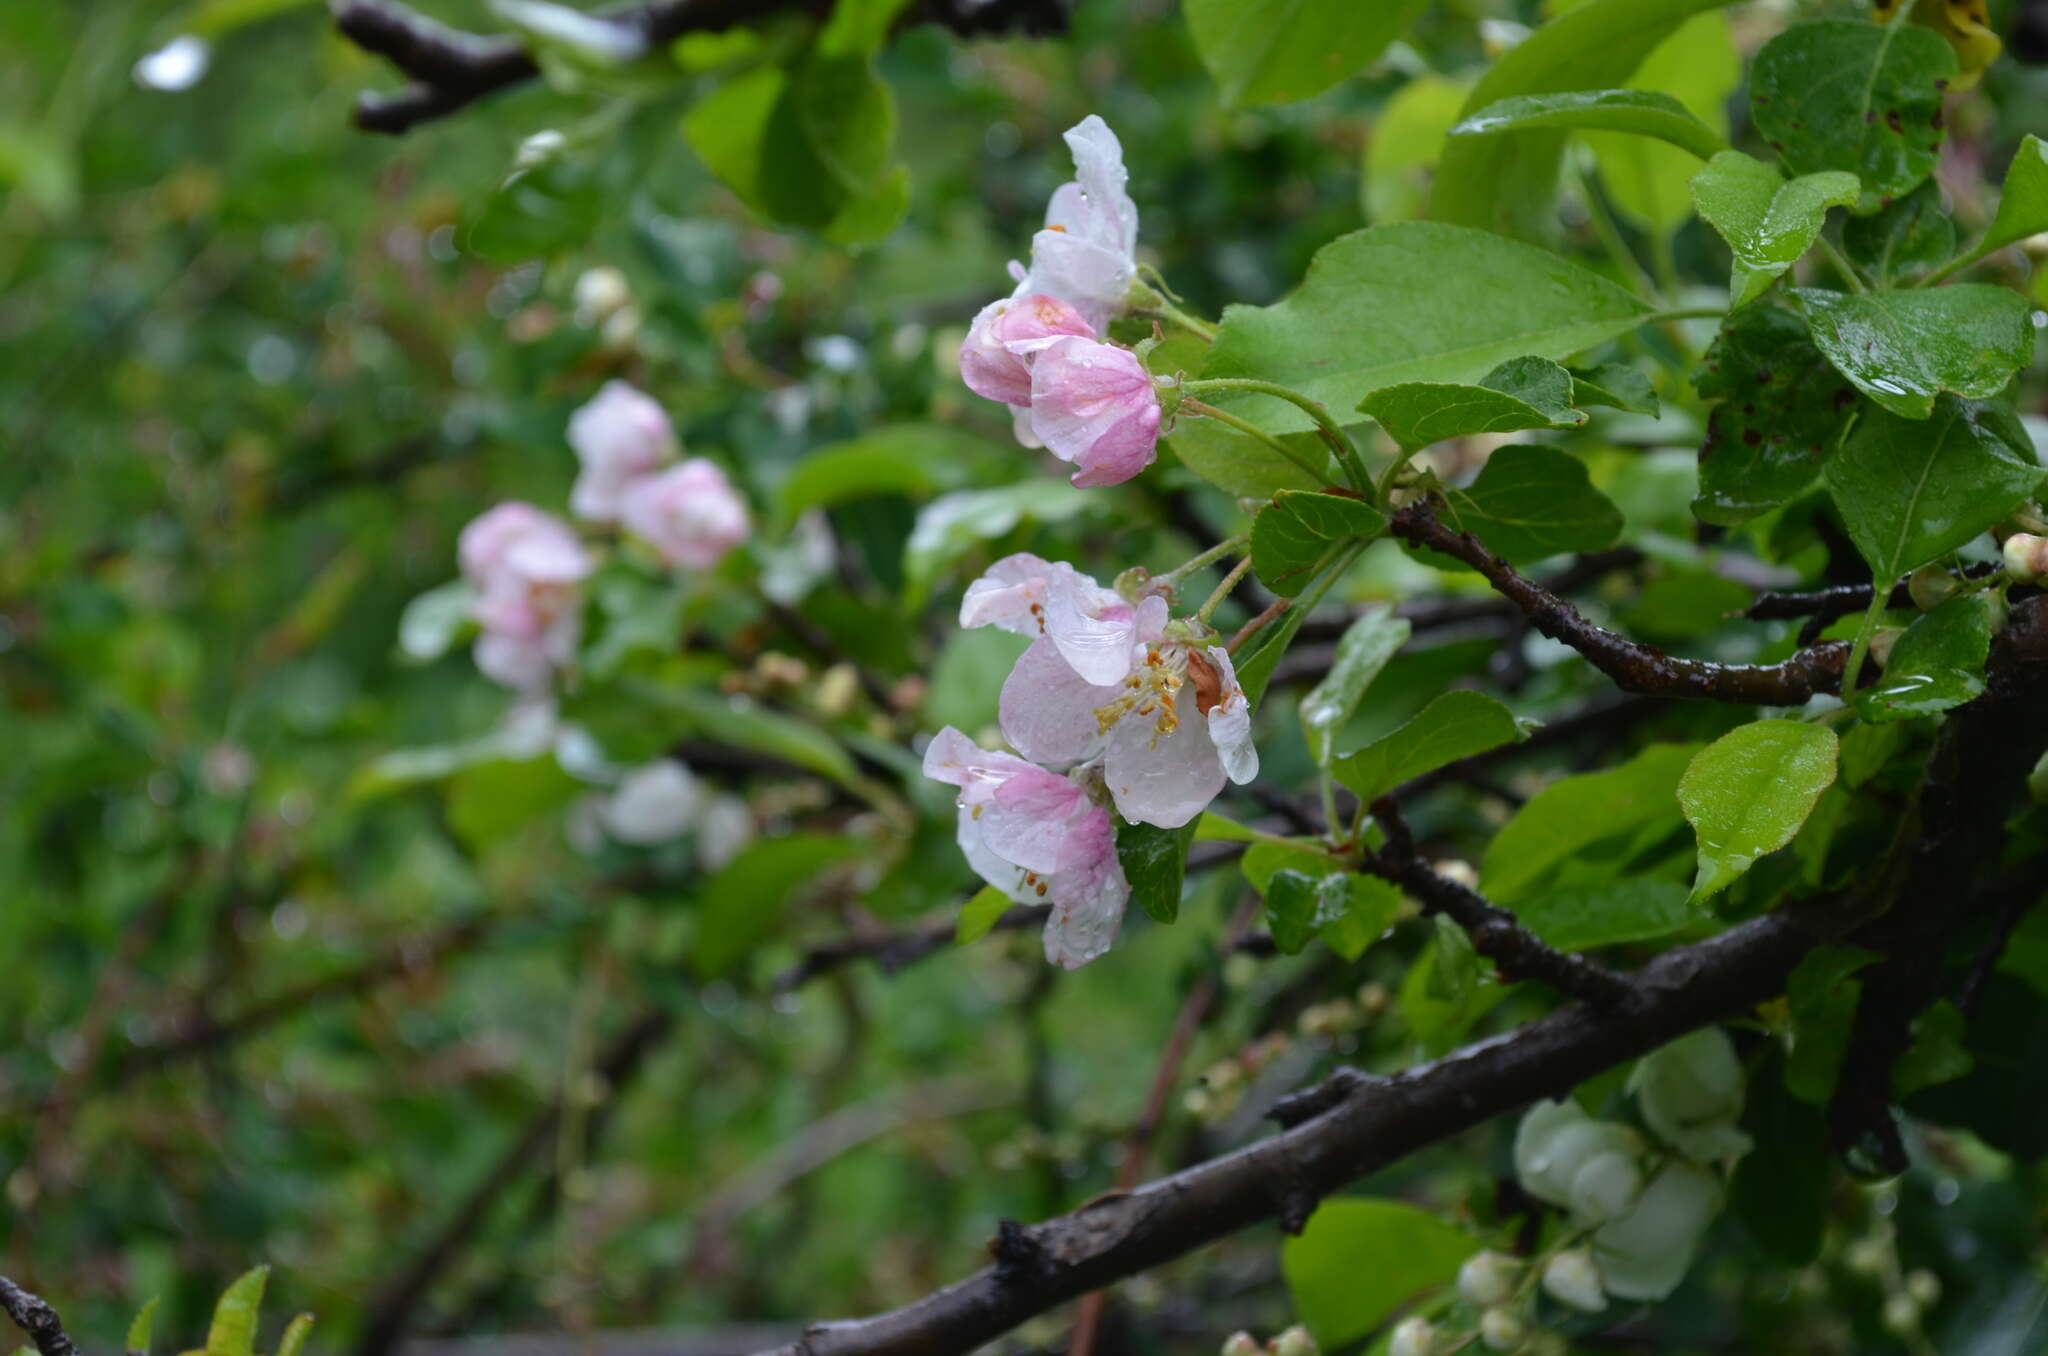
{"x": 2023, "y": 203}
{"x": 1522, "y": 393}
{"x": 1938, "y": 663}
{"x": 1747, "y": 793}
{"x": 979, "y": 914}
{"x": 1294, "y": 531}
{"x": 1767, "y": 222}
{"x": 1615, "y": 385}
{"x": 1643, "y": 113}
{"x": 1155, "y": 861}
{"x": 1531, "y": 501}
{"x": 1905, "y": 240}
{"x": 1902, "y": 349}
{"x": 1641, "y": 909}
{"x": 1570, "y": 815}
{"x": 1414, "y": 1252}
{"x": 1780, "y": 407}
{"x": 1373, "y": 638}
{"x": 1239, "y": 464}
{"x": 233, "y": 1331}
{"x": 1455, "y": 725}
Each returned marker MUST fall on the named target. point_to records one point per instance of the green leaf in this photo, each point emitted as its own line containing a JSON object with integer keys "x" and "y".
{"x": 2023, "y": 203}
{"x": 538, "y": 210}
{"x": 1747, "y": 793}
{"x": 1903, "y": 241}
{"x": 1618, "y": 386}
{"x": 1649, "y": 182}
{"x": 1155, "y": 861}
{"x": 1508, "y": 183}
{"x": 1638, "y": 909}
{"x": 800, "y": 145}
{"x": 1937, "y": 1054}
{"x": 1412, "y": 1252}
{"x": 979, "y": 914}
{"x": 432, "y": 622}
{"x": 1295, "y": 901}
{"x": 742, "y": 906}
{"x": 1910, "y": 491}
{"x": 2004, "y": 1097}
{"x": 139, "y": 1329}
{"x": 1294, "y": 531}
{"x": 858, "y": 27}
{"x": 967, "y": 678}
{"x": 233, "y": 1331}
{"x": 1639, "y": 112}
{"x": 1267, "y": 648}
{"x": 1521, "y": 393}
{"x": 1902, "y": 349}
{"x": 1838, "y": 94}
{"x": 1413, "y": 301}
{"x": 492, "y": 801}
{"x": 293, "y": 1342}
{"x": 1215, "y": 828}
{"x": 1239, "y": 464}
{"x": 954, "y": 524}
{"x": 1454, "y": 975}
{"x": 1455, "y": 725}
{"x": 1278, "y": 51}
{"x": 1570, "y": 815}
{"x": 1366, "y": 646}
{"x": 1781, "y": 1187}
{"x": 1532, "y": 501}
{"x": 1938, "y": 663}
{"x": 1822, "y": 994}
{"x": 1779, "y": 413}
{"x": 1370, "y": 906}
{"x": 913, "y": 460}
{"x": 1406, "y": 141}
{"x": 744, "y": 726}
{"x": 1265, "y": 860}
{"x": 1767, "y": 222}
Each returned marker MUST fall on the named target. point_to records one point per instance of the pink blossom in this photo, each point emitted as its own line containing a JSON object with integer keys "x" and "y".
{"x": 1094, "y": 405}
{"x": 995, "y": 359}
{"x": 689, "y": 514}
{"x": 1086, "y": 255}
{"x": 526, "y": 567}
{"x": 620, "y": 435}
{"x": 1039, "y": 838}
{"x": 1092, "y": 627}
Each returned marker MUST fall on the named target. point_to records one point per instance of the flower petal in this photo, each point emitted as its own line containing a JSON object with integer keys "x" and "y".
{"x": 1087, "y": 906}
{"x": 1048, "y": 711}
{"x": 1230, "y": 722}
{"x": 1164, "y": 780}
{"x": 991, "y": 868}
{"x": 1037, "y": 821}
{"x": 1010, "y": 595}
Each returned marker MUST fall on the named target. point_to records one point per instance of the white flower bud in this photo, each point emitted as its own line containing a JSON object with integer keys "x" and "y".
{"x": 653, "y": 804}
{"x": 1573, "y": 1278}
{"x": 2026, "y": 556}
{"x": 1901, "y": 1312}
{"x": 1691, "y": 1095}
{"x": 1240, "y": 1344}
{"x": 599, "y": 292}
{"x": 1487, "y": 1278}
{"x": 1501, "y": 1330}
{"x": 1644, "y": 1254}
{"x": 724, "y": 826}
{"x": 1415, "y": 1336}
{"x": 1295, "y": 1342}
{"x": 1924, "y": 1286}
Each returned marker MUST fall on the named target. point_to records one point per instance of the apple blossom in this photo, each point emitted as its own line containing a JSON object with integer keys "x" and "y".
{"x": 1487, "y": 1277}
{"x": 1094, "y": 405}
{"x": 619, "y": 436}
{"x": 1103, "y": 682}
{"x": 1501, "y": 1330}
{"x": 525, "y": 566}
{"x": 1691, "y": 1095}
{"x": 653, "y": 803}
{"x": 1565, "y": 1157}
{"x": 1040, "y": 838}
{"x": 1645, "y": 1253}
{"x": 1087, "y": 254}
{"x": 690, "y": 514}
{"x": 995, "y": 356}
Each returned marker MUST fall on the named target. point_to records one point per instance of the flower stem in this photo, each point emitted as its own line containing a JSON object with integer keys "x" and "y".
{"x": 1215, "y": 600}
{"x": 1203, "y": 410}
{"x": 1383, "y": 493}
{"x": 1842, "y": 264}
{"x": 1219, "y": 550}
{"x": 1201, "y": 329}
{"x": 1332, "y": 432}
{"x": 1259, "y": 623}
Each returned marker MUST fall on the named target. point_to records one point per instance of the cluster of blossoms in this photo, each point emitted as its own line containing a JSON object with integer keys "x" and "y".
{"x": 1645, "y": 1201}
{"x": 526, "y": 566}
{"x": 1113, "y": 705}
{"x": 1041, "y": 350}
{"x": 1293, "y": 1342}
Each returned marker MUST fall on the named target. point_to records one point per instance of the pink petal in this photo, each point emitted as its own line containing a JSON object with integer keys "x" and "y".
{"x": 991, "y": 868}
{"x": 1048, "y": 711}
{"x": 1032, "y": 820}
{"x": 1087, "y": 907}
{"x": 1006, "y": 595}
{"x": 955, "y": 759}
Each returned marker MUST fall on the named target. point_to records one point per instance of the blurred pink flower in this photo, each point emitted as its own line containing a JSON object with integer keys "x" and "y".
{"x": 1040, "y": 839}
{"x": 690, "y": 514}
{"x": 526, "y": 567}
{"x": 1094, "y": 405}
{"x": 620, "y": 435}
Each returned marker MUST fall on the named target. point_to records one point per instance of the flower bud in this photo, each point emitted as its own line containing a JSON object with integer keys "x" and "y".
{"x": 1241, "y": 1344}
{"x": 995, "y": 358}
{"x": 2026, "y": 556}
{"x": 1295, "y": 1342}
{"x": 1413, "y": 1336}
{"x": 1931, "y": 586}
{"x": 1605, "y": 1185}
{"x": 1572, "y": 1277}
{"x": 1901, "y": 1313}
{"x": 599, "y": 292}
{"x": 1924, "y": 1286}
{"x": 1487, "y": 1278}
{"x": 1501, "y": 1330}
{"x": 1690, "y": 1092}
{"x": 1095, "y": 405}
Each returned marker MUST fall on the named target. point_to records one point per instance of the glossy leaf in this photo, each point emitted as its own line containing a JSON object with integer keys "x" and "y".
{"x": 1455, "y": 725}
{"x": 1372, "y": 639}
{"x": 2023, "y": 203}
{"x": 1239, "y": 464}
{"x": 1902, "y": 349}
{"x": 1265, "y": 860}
{"x": 1508, "y": 183}
{"x": 1370, "y": 907}
{"x": 233, "y": 1330}
{"x": 1291, "y": 534}
{"x": 1571, "y": 815}
{"x": 139, "y": 1327}
{"x": 1767, "y": 222}
{"x": 1413, "y": 1252}
{"x": 1522, "y": 393}
{"x": 1837, "y": 94}
{"x": 1643, "y": 113}
{"x": 743, "y": 905}
{"x": 1155, "y": 861}
{"x": 1530, "y": 502}
{"x": 1780, "y": 407}
{"x": 1615, "y": 385}
{"x": 1747, "y": 793}
{"x": 1904, "y": 241}
{"x": 1278, "y": 51}
{"x": 979, "y": 914}
{"x": 1938, "y": 663}
{"x": 293, "y": 1340}
{"x": 1296, "y": 902}
{"x": 1639, "y": 909}
{"x": 1265, "y": 650}
{"x": 1413, "y": 301}
{"x": 1911, "y": 490}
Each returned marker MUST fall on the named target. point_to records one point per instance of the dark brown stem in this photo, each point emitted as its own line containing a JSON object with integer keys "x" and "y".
{"x": 1633, "y": 666}
{"x": 36, "y": 1318}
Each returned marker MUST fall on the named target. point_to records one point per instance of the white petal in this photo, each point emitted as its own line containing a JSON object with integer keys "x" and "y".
{"x": 1092, "y": 626}
{"x": 1087, "y": 913}
{"x": 654, "y": 803}
{"x": 991, "y": 868}
{"x": 1032, "y": 820}
{"x": 1230, "y": 723}
{"x": 1005, "y": 594}
{"x": 1048, "y": 710}
{"x": 955, "y": 759}
{"x": 1645, "y": 1253}
{"x": 1164, "y": 780}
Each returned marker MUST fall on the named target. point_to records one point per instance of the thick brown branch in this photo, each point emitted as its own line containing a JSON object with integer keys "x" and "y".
{"x": 1495, "y": 934}
{"x": 36, "y": 1318}
{"x": 1634, "y": 667}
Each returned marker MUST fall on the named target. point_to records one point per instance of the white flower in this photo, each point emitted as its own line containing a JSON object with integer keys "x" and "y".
{"x": 1501, "y": 1330}
{"x": 619, "y": 436}
{"x": 1413, "y": 1336}
{"x": 1645, "y": 1253}
{"x": 1565, "y": 1157}
{"x": 599, "y": 292}
{"x": 724, "y": 826}
{"x": 654, "y": 803}
{"x": 1690, "y": 1092}
{"x": 1087, "y": 254}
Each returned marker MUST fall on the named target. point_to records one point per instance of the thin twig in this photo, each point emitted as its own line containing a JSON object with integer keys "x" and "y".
{"x": 35, "y": 1317}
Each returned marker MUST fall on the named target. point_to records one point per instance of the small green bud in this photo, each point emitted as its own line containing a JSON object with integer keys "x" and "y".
{"x": 1931, "y": 586}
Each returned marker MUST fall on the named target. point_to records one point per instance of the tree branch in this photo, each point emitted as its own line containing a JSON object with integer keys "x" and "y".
{"x": 36, "y": 1318}
{"x": 1634, "y": 667}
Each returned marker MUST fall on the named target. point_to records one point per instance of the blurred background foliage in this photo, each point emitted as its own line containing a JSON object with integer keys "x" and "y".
{"x": 257, "y": 368}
